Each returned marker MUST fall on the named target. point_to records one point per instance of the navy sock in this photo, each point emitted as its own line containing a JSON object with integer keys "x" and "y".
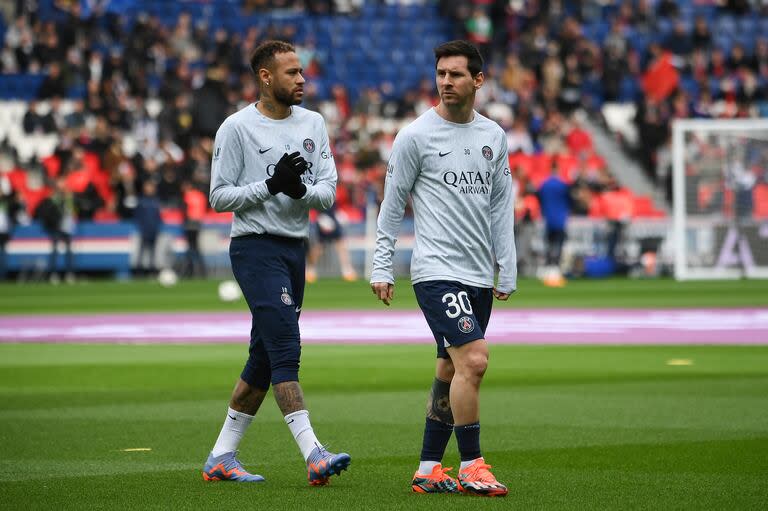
{"x": 436, "y": 437}
{"x": 468, "y": 438}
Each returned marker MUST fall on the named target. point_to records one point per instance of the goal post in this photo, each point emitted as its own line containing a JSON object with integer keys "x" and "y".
{"x": 720, "y": 198}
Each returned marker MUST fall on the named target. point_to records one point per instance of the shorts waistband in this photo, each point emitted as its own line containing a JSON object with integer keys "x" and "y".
{"x": 267, "y": 236}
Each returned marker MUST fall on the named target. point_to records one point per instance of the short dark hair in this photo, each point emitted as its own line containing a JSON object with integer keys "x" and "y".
{"x": 264, "y": 54}
{"x": 461, "y": 48}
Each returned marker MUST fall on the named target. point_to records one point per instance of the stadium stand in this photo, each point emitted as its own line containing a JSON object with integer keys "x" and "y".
{"x": 124, "y": 83}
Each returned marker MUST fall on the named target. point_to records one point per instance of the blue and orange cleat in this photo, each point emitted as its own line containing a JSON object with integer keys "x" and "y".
{"x": 437, "y": 482}
{"x": 227, "y": 467}
{"x": 476, "y": 479}
{"x": 322, "y": 464}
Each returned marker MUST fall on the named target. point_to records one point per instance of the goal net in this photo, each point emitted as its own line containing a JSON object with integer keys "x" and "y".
{"x": 720, "y": 183}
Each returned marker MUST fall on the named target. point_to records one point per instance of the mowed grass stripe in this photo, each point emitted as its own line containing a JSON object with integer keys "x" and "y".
{"x": 567, "y": 427}
{"x": 330, "y": 294}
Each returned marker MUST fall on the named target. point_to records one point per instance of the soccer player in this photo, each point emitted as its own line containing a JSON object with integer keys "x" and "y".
{"x": 271, "y": 163}
{"x": 453, "y": 162}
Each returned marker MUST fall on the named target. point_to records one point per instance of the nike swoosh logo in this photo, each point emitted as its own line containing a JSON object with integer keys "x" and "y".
{"x": 233, "y": 418}
{"x": 262, "y": 151}
{"x": 444, "y": 154}
{"x": 291, "y": 421}
{"x": 298, "y": 309}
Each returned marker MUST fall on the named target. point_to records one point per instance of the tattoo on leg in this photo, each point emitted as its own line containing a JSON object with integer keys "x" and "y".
{"x": 289, "y": 397}
{"x": 439, "y": 403}
{"x": 247, "y": 399}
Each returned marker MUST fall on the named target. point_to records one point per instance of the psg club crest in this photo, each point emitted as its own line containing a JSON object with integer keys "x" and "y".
{"x": 286, "y": 299}
{"x": 487, "y": 153}
{"x": 466, "y": 324}
{"x": 309, "y": 145}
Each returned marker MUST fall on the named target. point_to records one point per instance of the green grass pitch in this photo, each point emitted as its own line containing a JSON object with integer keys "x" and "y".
{"x": 148, "y": 296}
{"x": 580, "y": 427}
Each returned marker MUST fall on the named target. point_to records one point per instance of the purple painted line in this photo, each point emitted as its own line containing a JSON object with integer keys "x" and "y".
{"x": 526, "y": 326}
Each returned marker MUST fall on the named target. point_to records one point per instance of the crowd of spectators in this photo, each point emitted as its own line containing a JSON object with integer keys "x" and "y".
{"x": 543, "y": 69}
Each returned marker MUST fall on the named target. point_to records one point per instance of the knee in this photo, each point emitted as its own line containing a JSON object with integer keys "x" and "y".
{"x": 476, "y": 365}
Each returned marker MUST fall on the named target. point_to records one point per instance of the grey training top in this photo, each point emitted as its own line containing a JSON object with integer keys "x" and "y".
{"x": 459, "y": 180}
{"x": 247, "y": 147}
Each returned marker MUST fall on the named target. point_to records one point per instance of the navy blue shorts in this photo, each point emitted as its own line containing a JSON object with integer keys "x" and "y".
{"x": 456, "y": 313}
{"x": 270, "y": 271}
{"x": 328, "y": 226}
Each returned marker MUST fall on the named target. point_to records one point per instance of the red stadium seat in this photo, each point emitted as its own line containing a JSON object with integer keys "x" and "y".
{"x": 760, "y": 198}
{"x": 171, "y": 215}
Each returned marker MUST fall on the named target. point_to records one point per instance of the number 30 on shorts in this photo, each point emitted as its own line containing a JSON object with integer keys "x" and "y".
{"x": 457, "y": 303}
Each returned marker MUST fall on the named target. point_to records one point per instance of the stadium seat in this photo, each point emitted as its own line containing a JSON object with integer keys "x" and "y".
{"x": 760, "y": 200}
{"x": 643, "y": 207}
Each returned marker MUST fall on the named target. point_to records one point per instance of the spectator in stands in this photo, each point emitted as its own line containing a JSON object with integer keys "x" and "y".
{"x": 149, "y": 224}
{"x": 54, "y": 84}
{"x": 194, "y": 205}
{"x": 667, "y": 9}
{"x": 526, "y": 212}
{"x": 35, "y": 122}
{"x": 479, "y": 30}
{"x": 518, "y": 138}
{"x": 701, "y": 37}
{"x": 737, "y": 58}
{"x": 759, "y": 62}
{"x": 555, "y": 201}
{"x": 210, "y": 105}
{"x": 580, "y": 191}
{"x": 578, "y": 139}
{"x": 679, "y": 41}
{"x": 614, "y": 69}
{"x": 6, "y": 219}
{"x": 570, "y": 95}
{"x": 616, "y": 40}
{"x": 57, "y": 216}
{"x": 76, "y": 118}
{"x": 618, "y": 207}
{"x": 25, "y": 54}
{"x": 718, "y": 67}
{"x": 176, "y": 120}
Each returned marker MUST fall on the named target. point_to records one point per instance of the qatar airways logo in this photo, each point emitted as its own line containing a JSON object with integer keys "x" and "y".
{"x": 468, "y": 181}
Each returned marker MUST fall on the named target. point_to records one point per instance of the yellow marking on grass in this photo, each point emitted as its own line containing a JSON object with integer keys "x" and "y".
{"x": 680, "y": 362}
{"x": 138, "y": 449}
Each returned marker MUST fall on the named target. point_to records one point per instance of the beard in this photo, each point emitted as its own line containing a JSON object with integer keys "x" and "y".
{"x": 286, "y": 97}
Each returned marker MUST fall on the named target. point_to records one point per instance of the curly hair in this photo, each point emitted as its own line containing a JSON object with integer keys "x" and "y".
{"x": 264, "y": 54}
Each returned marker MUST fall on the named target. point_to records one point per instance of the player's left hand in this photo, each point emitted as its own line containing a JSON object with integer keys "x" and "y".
{"x": 384, "y": 291}
{"x": 499, "y": 295}
{"x": 294, "y": 188}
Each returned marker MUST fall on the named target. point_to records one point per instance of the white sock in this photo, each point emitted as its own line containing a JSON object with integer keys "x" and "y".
{"x": 465, "y": 464}
{"x": 232, "y": 432}
{"x": 298, "y": 423}
{"x": 425, "y": 467}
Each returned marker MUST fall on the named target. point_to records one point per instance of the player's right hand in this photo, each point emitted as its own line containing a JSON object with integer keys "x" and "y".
{"x": 287, "y": 171}
{"x": 384, "y": 291}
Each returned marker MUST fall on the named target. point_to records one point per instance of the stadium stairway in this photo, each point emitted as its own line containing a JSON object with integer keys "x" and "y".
{"x": 627, "y": 171}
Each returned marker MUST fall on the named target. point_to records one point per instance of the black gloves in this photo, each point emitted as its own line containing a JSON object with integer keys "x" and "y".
{"x": 287, "y": 176}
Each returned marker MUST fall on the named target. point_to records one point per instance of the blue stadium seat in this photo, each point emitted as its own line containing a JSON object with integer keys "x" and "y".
{"x": 747, "y": 25}
{"x": 665, "y": 25}
{"x": 629, "y": 89}
{"x": 77, "y": 91}
{"x": 725, "y": 25}
{"x": 689, "y": 85}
